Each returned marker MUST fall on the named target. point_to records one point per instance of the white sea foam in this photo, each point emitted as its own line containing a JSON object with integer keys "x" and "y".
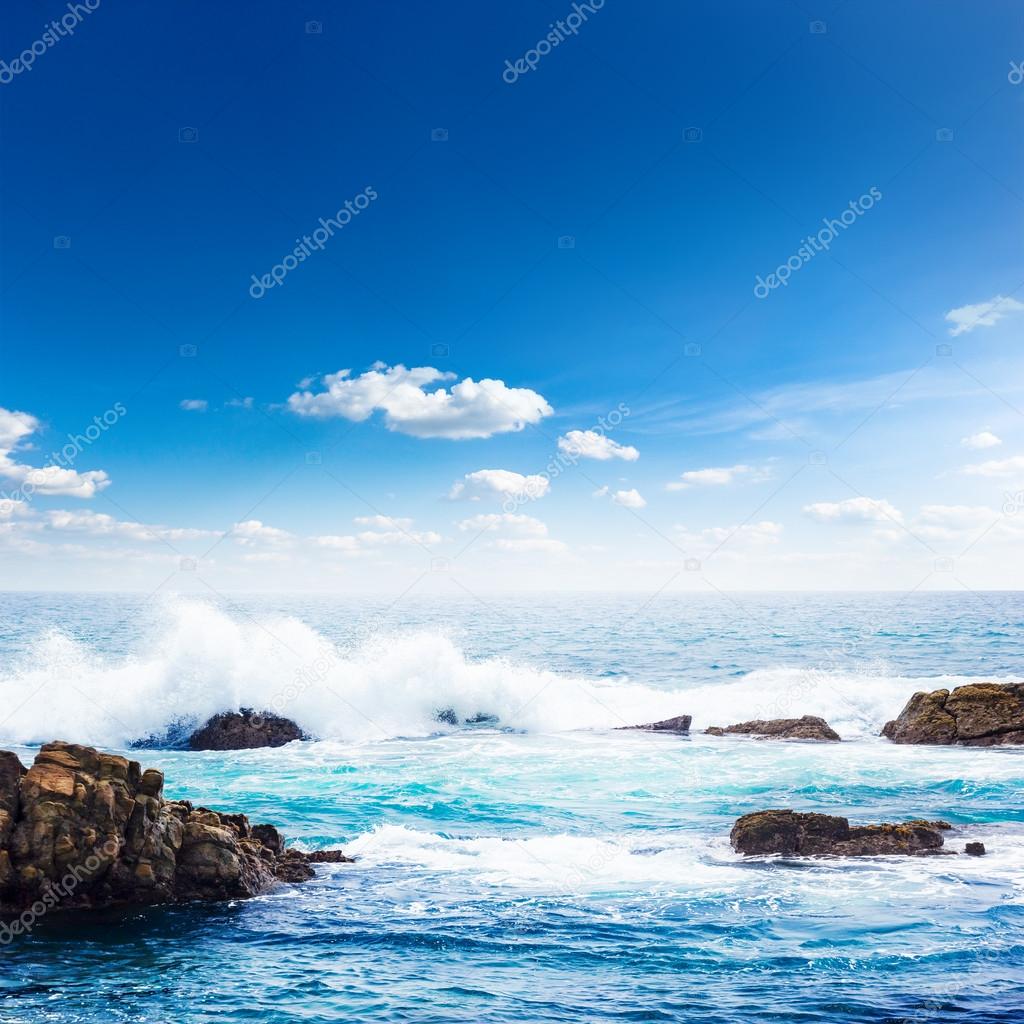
{"x": 205, "y": 660}
{"x": 567, "y": 865}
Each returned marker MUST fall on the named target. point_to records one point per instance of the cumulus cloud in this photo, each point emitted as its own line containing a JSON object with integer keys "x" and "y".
{"x": 590, "y": 444}
{"x": 194, "y": 404}
{"x": 747, "y": 535}
{"x": 467, "y": 409}
{"x": 982, "y": 314}
{"x": 952, "y": 522}
{"x": 714, "y": 476}
{"x": 99, "y": 524}
{"x": 384, "y": 522}
{"x": 629, "y": 499}
{"x": 984, "y": 439}
{"x": 390, "y": 532}
{"x": 1013, "y": 466}
{"x": 252, "y": 532}
{"x": 863, "y": 510}
{"x": 15, "y": 427}
{"x": 515, "y": 532}
{"x": 500, "y": 483}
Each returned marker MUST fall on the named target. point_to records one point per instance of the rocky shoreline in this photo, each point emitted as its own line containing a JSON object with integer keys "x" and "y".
{"x": 81, "y": 828}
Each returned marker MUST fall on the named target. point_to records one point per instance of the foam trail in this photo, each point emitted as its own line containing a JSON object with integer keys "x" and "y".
{"x": 204, "y": 661}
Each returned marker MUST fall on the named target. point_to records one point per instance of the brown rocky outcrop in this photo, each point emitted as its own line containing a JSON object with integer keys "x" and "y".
{"x": 807, "y": 728}
{"x": 244, "y": 730}
{"x": 82, "y": 828}
{"x": 680, "y": 725}
{"x": 792, "y": 833}
{"x": 975, "y": 715}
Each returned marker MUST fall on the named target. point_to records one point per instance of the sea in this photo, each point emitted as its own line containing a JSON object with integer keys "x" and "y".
{"x": 519, "y": 855}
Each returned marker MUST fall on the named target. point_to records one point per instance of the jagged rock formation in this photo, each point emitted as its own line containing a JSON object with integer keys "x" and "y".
{"x": 807, "y": 728}
{"x": 82, "y": 828}
{"x": 795, "y": 834}
{"x": 680, "y": 725}
{"x": 975, "y": 715}
{"x": 244, "y": 730}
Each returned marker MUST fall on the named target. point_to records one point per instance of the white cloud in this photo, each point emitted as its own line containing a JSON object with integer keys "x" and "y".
{"x": 714, "y": 476}
{"x": 390, "y": 532}
{"x": 239, "y": 403}
{"x": 467, "y": 409}
{"x": 951, "y": 522}
{"x": 194, "y": 404}
{"x": 1012, "y": 466}
{"x": 50, "y": 479}
{"x": 509, "y": 522}
{"x": 99, "y": 524}
{"x": 384, "y": 522}
{"x": 982, "y": 314}
{"x": 252, "y": 531}
{"x": 629, "y": 499}
{"x": 338, "y": 543}
{"x": 713, "y": 537}
{"x": 589, "y": 444}
{"x": 984, "y": 439}
{"x": 864, "y": 510}
{"x": 525, "y": 544}
{"x": 400, "y": 538}
{"x": 499, "y": 483}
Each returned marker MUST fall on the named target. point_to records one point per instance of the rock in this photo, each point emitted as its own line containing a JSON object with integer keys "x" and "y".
{"x": 679, "y": 725}
{"x": 807, "y": 728}
{"x": 446, "y": 716}
{"x": 244, "y": 730}
{"x": 975, "y": 715}
{"x": 792, "y": 833}
{"x": 975, "y": 849}
{"x": 82, "y": 828}
{"x": 328, "y": 857}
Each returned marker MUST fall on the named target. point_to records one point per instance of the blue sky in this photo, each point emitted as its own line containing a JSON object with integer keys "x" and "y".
{"x": 563, "y": 235}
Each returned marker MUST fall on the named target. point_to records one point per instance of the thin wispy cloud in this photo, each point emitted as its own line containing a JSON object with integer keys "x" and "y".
{"x": 982, "y": 314}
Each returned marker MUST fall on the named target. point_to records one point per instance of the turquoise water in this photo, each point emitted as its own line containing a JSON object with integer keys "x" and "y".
{"x": 549, "y": 868}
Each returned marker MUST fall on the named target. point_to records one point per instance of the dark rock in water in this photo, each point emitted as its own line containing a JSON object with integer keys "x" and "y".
{"x": 794, "y": 834}
{"x": 680, "y": 725}
{"x": 328, "y": 857}
{"x": 975, "y": 715}
{"x": 174, "y": 737}
{"x": 481, "y": 718}
{"x": 244, "y": 730}
{"x": 448, "y": 716}
{"x": 807, "y": 728}
{"x": 975, "y": 849}
{"x": 85, "y": 829}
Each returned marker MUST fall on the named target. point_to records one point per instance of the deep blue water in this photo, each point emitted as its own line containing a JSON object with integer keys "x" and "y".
{"x": 552, "y": 868}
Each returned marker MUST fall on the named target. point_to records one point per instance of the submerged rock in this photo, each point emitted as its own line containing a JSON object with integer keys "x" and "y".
{"x": 448, "y": 716}
{"x": 82, "y": 828}
{"x": 795, "y": 834}
{"x": 680, "y": 725}
{"x": 807, "y": 728}
{"x": 975, "y": 849}
{"x": 975, "y": 715}
{"x": 244, "y": 730}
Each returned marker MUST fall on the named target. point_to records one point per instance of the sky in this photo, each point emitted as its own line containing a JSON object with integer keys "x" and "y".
{"x": 398, "y": 297}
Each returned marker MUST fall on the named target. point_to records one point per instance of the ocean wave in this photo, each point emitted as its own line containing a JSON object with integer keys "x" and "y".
{"x": 203, "y": 661}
